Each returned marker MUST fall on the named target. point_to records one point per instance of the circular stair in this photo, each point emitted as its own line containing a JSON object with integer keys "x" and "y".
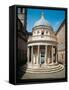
{"x": 47, "y": 69}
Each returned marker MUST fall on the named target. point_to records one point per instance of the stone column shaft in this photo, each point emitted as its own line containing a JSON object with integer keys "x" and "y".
{"x": 52, "y": 54}
{"x": 56, "y": 55}
{"x": 38, "y": 54}
{"x": 27, "y": 54}
{"x": 45, "y": 54}
{"x": 32, "y": 54}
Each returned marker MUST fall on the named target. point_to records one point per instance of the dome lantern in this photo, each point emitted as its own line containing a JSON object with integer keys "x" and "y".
{"x": 42, "y": 21}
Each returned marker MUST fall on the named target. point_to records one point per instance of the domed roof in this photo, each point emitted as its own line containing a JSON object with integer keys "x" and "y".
{"x": 42, "y": 21}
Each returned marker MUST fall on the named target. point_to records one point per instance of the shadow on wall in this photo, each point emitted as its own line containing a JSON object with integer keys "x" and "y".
{"x": 21, "y": 65}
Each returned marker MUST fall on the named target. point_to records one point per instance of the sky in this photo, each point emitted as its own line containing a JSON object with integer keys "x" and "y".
{"x": 54, "y": 17}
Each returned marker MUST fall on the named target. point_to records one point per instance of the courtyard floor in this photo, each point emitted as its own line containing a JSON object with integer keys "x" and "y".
{"x": 60, "y": 74}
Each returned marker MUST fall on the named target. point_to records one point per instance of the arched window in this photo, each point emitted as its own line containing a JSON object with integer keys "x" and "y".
{"x": 42, "y": 33}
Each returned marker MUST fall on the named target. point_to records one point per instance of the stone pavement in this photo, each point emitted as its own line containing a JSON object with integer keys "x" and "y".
{"x": 60, "y": 74}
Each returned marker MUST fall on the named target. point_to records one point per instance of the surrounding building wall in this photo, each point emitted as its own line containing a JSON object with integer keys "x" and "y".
{"x": 22, "y": 36}
{"x": 61, "y": 43}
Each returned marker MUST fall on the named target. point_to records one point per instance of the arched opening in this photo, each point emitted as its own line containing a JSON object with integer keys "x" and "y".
{"x": 42, "y": 33}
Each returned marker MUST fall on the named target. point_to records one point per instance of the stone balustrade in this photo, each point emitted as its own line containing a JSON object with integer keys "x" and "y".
{"x": 42, "y": 37}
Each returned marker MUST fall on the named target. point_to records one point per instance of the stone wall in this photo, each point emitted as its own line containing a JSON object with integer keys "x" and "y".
{"x": 61, "y": 43}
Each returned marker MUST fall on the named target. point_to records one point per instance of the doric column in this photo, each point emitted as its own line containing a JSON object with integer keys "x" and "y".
{"x": 32, "y": 54}
{"x": 52, "y": 55}
{"x": 45, "y": 54}
{"x": 27, "y": 54}
{"x": 56, "y": 55}
{"x": 38, "y": 54}
{"x": 40, "y": 59}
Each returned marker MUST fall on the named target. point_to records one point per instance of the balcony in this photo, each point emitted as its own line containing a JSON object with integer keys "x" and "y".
{"x": 42, "y": 38}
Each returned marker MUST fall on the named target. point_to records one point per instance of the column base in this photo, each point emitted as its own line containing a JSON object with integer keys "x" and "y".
{"x": 52, "y": 63}
{"x": 56, "y": 62}
{"x": 33, "y": 66}
{"x": 45, "y": 63}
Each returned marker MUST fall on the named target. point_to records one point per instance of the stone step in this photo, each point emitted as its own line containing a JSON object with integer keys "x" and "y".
{"x": 46, "y": 70}
{"x": 47, "y": 67}
{"x": 43, "y": 70}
